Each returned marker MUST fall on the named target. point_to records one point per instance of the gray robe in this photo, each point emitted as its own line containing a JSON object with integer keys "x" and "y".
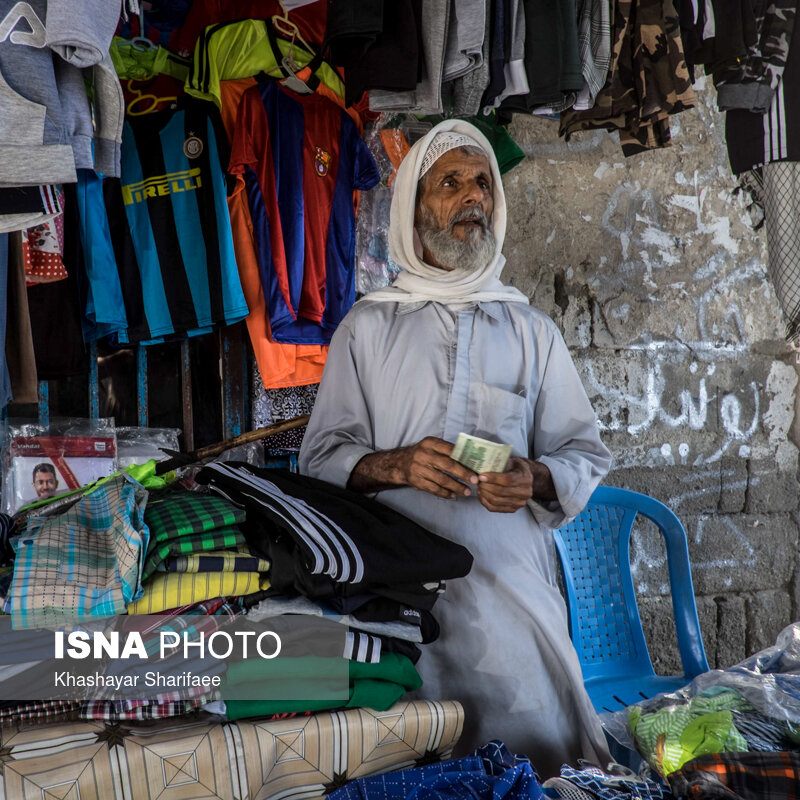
{"x": 399, "y": 372}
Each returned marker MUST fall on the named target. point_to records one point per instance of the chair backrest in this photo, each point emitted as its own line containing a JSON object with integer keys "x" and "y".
{"x": 604, "y": 617}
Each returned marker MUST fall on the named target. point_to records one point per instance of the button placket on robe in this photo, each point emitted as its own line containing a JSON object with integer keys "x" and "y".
{"x": 459, "y": 394}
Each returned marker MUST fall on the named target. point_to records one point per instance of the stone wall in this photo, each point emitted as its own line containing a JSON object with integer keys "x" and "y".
{"x": 652, "y": 270}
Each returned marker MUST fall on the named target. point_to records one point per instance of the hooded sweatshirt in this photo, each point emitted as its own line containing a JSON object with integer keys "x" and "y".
{"x": 46, "y": 126}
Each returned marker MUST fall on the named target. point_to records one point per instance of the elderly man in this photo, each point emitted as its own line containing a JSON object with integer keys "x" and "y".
{"x": 447, "y": 349}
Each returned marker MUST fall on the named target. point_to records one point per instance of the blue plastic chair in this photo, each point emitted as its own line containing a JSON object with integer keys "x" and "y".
{"x": 604, "y": 618}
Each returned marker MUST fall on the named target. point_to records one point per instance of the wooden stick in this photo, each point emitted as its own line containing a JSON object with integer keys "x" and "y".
{"x": 221, "y": 447}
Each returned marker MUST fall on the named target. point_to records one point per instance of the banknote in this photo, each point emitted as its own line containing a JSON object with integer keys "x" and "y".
{"x": 480, "y": 455}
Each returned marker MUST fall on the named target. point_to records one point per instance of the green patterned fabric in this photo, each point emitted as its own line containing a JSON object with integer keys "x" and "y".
{"x": 190, "y": 523}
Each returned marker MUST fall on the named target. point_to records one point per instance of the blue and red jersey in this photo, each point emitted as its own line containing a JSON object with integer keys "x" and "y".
{"x": 302, "y": 158}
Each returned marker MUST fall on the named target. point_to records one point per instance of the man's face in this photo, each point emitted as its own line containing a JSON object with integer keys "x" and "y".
{"x": 45, "y": 484}
{"x": 457, "y": 200}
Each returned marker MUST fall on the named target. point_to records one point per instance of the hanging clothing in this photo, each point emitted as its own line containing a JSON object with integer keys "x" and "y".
{"x": 716, "y": 33}
{"x": 352, "y": 28}
{"x": 499, "y": 32}
{"x": 55, "y": 308}
{"x": 103, "y": 303}
{"x": 21, "y": 207}
{"x": 5, "y": 381}
{"x": 465, "y": 33}
{"x": 552, "y": 61}
{"x": 754, "y": 139}
{"x": 170, "y": 226}
{"x": 594, "y": 42}
{"x": 514, "y": 75}
{"x": 462, "y": 95}
{"x": 427, "y": 97}
{"x": 749, "y": 83}
{"x": 19, "y": 351}
{"x": 42, "y": 248}
{"x": 279, "y": 364}
{"x": 648, "y": 79}
{"x": 247, "y": 48}
{"x": 391, "y": 57}
{"x": 133, "y": 63}
{"x": 309, "y": 16}
{"x": 48, "y": 127}
{"x": 301, "y": 157}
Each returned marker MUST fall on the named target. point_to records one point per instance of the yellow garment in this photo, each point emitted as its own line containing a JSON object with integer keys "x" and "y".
{"x": 176, "y": 589}
{"x": 241, "y": 50}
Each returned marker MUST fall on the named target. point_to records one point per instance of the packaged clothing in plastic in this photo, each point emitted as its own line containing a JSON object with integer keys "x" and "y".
{"x": 42, "y": 462}
{"x": 752, "y": 706}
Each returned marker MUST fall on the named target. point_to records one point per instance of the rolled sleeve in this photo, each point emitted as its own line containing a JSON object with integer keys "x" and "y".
{"x": 566, "y": 439}
{"x": 339, "y": 433}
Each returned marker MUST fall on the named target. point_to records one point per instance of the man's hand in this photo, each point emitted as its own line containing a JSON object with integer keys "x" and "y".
{"x": 424, "y": 466}
{"x": 508, "y": 491}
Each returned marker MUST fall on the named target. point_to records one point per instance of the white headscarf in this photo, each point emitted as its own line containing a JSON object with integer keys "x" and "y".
{"x": 418, "y": 281}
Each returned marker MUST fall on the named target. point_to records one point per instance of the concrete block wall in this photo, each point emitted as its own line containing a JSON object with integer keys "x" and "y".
{"x": 653, "y": 271}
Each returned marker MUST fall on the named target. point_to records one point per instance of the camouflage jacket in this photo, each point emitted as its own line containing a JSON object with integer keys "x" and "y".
{"x": 648, "y": 78}
{"x": 751, "y": 82}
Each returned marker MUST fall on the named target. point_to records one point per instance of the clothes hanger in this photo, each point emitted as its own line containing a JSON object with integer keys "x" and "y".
{"x": 297, "y": 77}
{"x": 139, "y": 42}
{"x": 286, "y": 27}
{"x": 132, "y": 109}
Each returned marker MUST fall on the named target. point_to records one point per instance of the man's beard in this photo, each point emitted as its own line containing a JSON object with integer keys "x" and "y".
{"x": 472, "y": 253}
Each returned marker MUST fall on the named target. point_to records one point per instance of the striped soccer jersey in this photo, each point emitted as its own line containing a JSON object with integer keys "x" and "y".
{"x": 170, "y": 226}
{"x": 302, "y": 157}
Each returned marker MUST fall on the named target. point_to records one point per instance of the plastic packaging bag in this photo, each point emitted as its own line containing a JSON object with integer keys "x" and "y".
{"x": 40, "y": 462}
{"x": 754, "y": 705}
{"x": 140, "y": 445}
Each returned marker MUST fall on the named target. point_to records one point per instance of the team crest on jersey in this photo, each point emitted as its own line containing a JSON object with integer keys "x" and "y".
{"x": 192, "y": 147}
{"x": 322, "y": 160}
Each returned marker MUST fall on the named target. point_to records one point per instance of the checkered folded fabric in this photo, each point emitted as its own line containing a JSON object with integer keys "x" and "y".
{"x": 189, "y": 522}
{"x": 618, "y": 785}
{"x": 739, "y": 776}
{"x": 218, "y": 539}
{"x": 239, "y": 560}
{"x": 172, "y": 589}
{"x": 40, "y": 711}
{"x": 84, "y": 562}
{"x": 118, "y": 710}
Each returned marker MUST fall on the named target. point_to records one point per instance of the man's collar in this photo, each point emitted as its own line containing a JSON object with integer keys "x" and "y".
{"x": 492, "y": 308}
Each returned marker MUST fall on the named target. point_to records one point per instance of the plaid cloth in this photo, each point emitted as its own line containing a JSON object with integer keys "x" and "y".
{"x": 739, "y": 776}
{"x": 186, "y": 514}
{"x": 169, "y": 590}
{"x": 185, "y": 543}
{"x": 40, "y": 711}
{"x": 239, "y": 560}
{"x": 118, "y": 710}
{"x": 84, "y": 562}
